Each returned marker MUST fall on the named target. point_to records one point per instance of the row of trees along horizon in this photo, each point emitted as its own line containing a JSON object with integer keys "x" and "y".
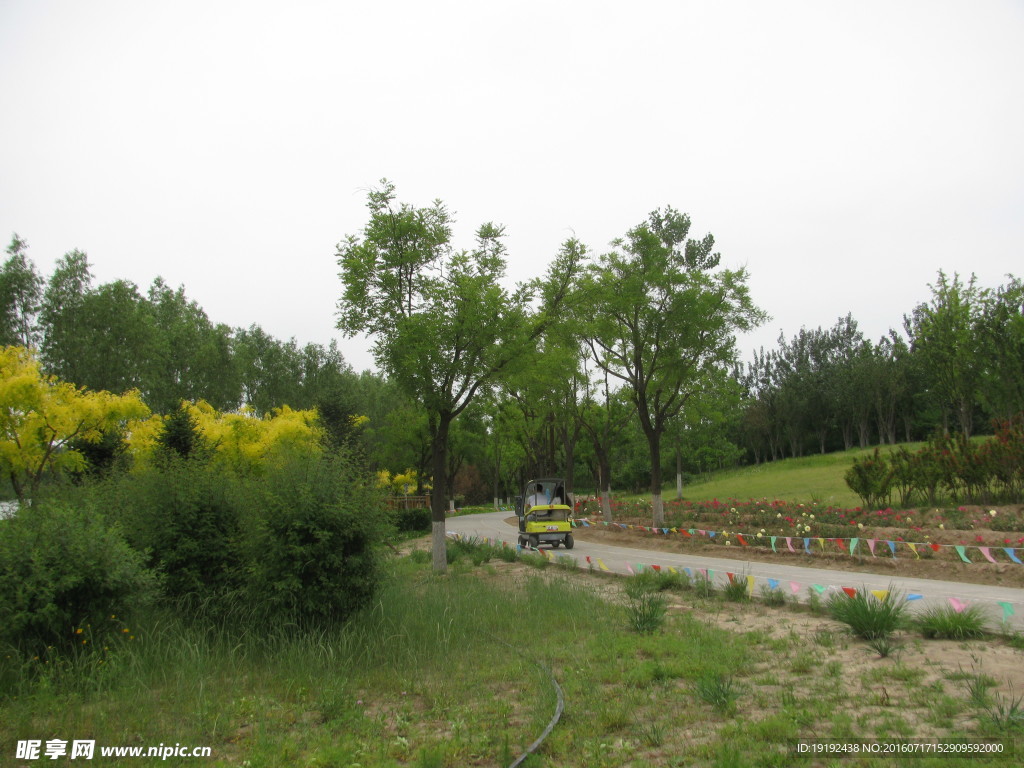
{"x": 609, "y": 370}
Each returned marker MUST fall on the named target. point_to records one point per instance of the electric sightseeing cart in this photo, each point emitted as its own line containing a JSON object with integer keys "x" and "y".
{"x": 544, "y": 511}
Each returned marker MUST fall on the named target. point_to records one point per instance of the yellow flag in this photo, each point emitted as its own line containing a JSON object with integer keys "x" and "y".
{"x": 881, "y": 594}
{"x": 603, "y": 566}
{"x": 750, "y": 584}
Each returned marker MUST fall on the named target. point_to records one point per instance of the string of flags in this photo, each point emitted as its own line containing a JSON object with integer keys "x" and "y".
{"x": 749, "y": 580}
{"x": 804, "y": 543}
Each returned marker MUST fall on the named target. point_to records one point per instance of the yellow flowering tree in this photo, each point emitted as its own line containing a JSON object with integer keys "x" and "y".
{"x": 241, "y": 439}
{"x": 40, "y": 416}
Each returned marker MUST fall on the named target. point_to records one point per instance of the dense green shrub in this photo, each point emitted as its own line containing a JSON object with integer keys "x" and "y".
{"x": 185, "y": 515}
{"x": 64, "y": 569}
{"x": 313, "y": 536}
{"x": 411, "y": 520}
{"x": 969, "y": 471}
{"x": 871, "y": 478}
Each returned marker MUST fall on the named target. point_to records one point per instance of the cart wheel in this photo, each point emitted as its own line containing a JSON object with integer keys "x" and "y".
{"x": 554, "y": 544}
{"x": 568, "y": 541}
{"x": 522, "y": 541}
{"x": 535, "y": 541}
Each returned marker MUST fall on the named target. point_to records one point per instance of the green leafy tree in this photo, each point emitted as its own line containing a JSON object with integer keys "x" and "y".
{"x": 662, "y": 318}
{"x": 21, "y": 291}
{"x": 115, "y": 338}
{"x": 1001, "y": 331}
{"x": 443, "y": 325}
{"x": 190, "y": 358}
{"x": 945, "y": 336}
{"x": 61, "y": 318}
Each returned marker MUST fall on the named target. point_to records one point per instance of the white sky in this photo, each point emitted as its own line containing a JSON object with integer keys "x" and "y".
{"x": 843, "y": 152}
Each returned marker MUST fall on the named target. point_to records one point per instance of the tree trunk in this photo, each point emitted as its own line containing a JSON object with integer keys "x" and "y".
{"x": 658, "y": 509}
{"x": 606, "y": 502}
{"x": 438, "y": 503}
{"x": 966, "y": 417}
{"x": 679, "y": 473}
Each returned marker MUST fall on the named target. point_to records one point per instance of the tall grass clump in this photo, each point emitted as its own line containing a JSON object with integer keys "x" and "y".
{"x": 719, "y": 691}
{"x": 646, "y": 611}
{"x": 772, "y": 597}
{"x": 944, "y": 622}
{"x": 704, "y": 587}
{"x": 736, "y": 591}
{"x": 867, "y": 616}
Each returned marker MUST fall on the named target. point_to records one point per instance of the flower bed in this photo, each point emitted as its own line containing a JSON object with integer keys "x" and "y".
{"x": 965, "y": 534}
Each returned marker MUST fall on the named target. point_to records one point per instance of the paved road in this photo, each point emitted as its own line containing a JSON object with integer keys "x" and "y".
{"x": 492, "y": 525}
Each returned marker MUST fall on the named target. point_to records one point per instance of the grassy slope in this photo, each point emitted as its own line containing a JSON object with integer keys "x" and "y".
{"x": 811, "y": 478}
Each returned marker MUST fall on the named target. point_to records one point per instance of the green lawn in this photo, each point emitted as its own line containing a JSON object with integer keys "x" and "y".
{"x": 806, "y": 479}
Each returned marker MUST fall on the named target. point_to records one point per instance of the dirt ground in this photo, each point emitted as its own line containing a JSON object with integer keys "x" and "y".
{"x": 928, "y": 567}
{"x": 945, "y": 664}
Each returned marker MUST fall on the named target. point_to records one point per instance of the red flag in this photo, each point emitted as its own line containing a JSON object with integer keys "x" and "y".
{"x": 738, "y": 536}
{"x": 850, "y": 591}
{"x": 731, "y": 581}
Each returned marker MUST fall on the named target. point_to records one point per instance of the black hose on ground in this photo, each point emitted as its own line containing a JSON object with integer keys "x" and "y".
{"x": 559, "y": 706}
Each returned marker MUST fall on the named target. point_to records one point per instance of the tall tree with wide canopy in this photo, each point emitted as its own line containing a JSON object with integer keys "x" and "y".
{"x": 662, "y": 318}
{"x": 443, "y": 325}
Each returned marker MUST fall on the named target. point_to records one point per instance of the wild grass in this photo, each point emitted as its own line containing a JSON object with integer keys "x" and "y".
{"x": 719, "y": 691}
{"x": 884, "y": 646}
{"x": 1005, "y": 714}
{"x": 736, "y": 591}
{"x": 444, "y": 671}
{"x": 655, "y": 581}
{"x": 867, "y": 616}
{"x": 945, "y": 622}
{"x": 646, "y": 611}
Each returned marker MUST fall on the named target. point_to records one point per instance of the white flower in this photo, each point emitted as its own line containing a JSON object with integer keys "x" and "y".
{"x": 992, "y": 512}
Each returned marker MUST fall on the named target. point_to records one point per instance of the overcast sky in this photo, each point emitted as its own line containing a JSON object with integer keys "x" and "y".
{"x": 842, "y": 152}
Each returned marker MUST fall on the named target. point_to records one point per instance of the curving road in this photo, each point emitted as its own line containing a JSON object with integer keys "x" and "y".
{"x": 492, "y": 525}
